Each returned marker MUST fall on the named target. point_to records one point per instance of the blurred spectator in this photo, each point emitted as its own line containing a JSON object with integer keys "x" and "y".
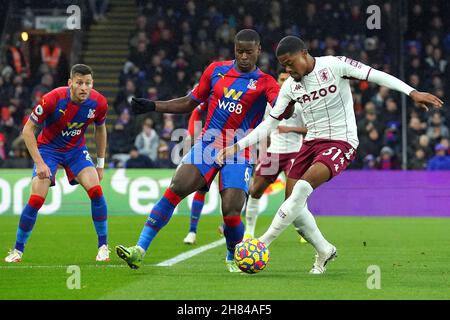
{"x": 147, "y": 141}
{"x": 17, "y": 61}
{"x": 45, "y": 86}
{"x": 369, "y": 163}
{"x": 387, "y": 159}
{"x": 51, "y": 54}
{"x": 121, "y": 138}
{"x": 2, "y": 146}
{"x": 98, "y": 9}
{"x": 164, "y": 160}
{"x": 123, "y": 98}
{"x": 441, "y": 161}
{"x": 419, "y": 161}
{"x": 137, "y": 160}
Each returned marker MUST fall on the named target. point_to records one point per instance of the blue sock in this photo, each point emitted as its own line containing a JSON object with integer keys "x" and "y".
{"x": 27, "y": 221}
{"x": 233, "y": 231}
{"x": 99, "y": 211}
{"x": 158, "y": 218}
{"x": 196, "y": 211}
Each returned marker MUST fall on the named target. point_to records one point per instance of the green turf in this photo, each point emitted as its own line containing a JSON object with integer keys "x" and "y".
{"x": 412, "y": 255}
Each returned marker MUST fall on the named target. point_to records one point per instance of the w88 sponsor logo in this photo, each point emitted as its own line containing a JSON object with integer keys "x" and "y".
{"x": 230, "y": 106}
{"x": 71, "y": 133}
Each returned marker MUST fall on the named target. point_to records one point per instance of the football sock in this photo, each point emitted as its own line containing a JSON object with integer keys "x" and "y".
{"x": 158, "y": 218}
{"x": 233, "y": 231}
{"x": 99, "y": 212}
{"x": 251, "y": 215}
{"x": 196, "y": 210}
{"x": 27, "y": 220}
{"x": 306, "y": 226}
{"x": 288, "y": 211}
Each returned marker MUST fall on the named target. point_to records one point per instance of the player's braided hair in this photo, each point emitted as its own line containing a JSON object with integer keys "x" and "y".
{"x": 291, "y": 45}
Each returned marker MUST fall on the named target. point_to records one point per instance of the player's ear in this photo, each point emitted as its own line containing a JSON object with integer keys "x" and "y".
{"x": 69, "y": 82}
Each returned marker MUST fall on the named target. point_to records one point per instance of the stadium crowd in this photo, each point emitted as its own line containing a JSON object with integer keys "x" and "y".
{"x": 172, "y": 44}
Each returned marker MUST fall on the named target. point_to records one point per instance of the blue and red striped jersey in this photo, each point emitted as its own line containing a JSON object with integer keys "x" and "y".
{"x": 64, "y": 121}
{"x": 236, "y": 101}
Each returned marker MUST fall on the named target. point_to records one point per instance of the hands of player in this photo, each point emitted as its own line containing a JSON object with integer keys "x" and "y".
{"x": 226, "y": 153}
{"x": 43, "y": 171}
{"x": 100, "y": 172}
{"x": 141, "y": 105}
{"x": 424, "y": 98}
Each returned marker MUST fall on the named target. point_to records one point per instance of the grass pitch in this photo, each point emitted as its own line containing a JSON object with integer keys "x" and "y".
{"x": 411, "y": 253}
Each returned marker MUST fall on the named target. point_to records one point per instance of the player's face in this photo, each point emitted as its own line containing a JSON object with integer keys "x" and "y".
{"x": 282, "y": 78}
{"x": 80, "y": 86}
{"x": 246, "y": 54}
{"x": 295, "y": 64}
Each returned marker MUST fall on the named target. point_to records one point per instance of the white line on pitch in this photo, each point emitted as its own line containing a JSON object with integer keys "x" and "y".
{"x": 189, "y": 254}
{"x": 166, "y": 263}
{"x": 65, "y": 266}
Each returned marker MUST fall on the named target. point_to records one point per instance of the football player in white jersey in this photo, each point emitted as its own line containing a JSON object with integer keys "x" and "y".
{"x": 321, "y": 85}
{"x": 285, "y": 143}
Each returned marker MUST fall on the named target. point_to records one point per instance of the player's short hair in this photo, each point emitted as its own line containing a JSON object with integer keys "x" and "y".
{"x": 81, "y": 69}
{"x": 291, "y": 45}
{"x": 247, "y": 35}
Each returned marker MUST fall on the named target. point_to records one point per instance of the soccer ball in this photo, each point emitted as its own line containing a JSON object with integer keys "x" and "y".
{"x": 251, "y": 255}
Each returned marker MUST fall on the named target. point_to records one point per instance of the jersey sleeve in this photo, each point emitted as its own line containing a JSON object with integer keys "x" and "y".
{"x": 283, "y": 100}
{"x": 46, "y": 106}
{"x": 196, "y": 115}
{"x": 349, "y": 68}
{"x": 100, "y": 117}
{"x": 272, "y": 90}
{"x": 201, "y": 91}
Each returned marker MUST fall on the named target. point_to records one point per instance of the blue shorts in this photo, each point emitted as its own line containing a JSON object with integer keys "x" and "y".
{"x": 232, "y": 175}
{"x": 73, "y": 161}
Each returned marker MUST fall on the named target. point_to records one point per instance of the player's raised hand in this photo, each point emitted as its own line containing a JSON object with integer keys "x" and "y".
{"x": 424, "y": 98}
{"x": 43, "y": 171}
{"x": 226, "y": 153}
{"x": 141, "y": 105}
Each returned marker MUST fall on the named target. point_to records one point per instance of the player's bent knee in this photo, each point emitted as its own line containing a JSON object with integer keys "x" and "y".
{"x": 300, "y": 193}
{"x": 232, "y": 220}
{"x": 95, "y": 192}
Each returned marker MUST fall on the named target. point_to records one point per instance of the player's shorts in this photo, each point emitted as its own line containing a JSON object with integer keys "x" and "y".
{"x": 335, "y": 154}
{"x": 73, "y": 161}
{"x": 272, "y": 164}
{"x": 232, "y": 175}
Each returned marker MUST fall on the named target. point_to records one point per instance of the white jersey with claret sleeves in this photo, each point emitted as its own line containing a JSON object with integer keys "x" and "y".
{"x": 325, "y": 98}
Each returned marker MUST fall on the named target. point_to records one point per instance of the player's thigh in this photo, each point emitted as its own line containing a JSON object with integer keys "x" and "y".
{"x": 40, "y": 186}
{"x": 233, "y": 201}
{"x": 317, "y": 174}
{"x": 258, "y": 185}
{"x": 88, "y": 178}
{"x": 187, "y": 179}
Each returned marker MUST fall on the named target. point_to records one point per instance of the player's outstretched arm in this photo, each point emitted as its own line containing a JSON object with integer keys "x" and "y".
{"x": 42, "y": 170}
{"x": 179, "y": 105}
{"x": 299, "y": 130}
{"x": 422, "y": 98}
{"x": 262, "y": 131}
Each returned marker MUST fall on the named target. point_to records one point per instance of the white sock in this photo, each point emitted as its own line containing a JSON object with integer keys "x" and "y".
{"x": 251, "y": 215}
{"x": 306, "y": 226}
{"x": 288, "y": 211}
